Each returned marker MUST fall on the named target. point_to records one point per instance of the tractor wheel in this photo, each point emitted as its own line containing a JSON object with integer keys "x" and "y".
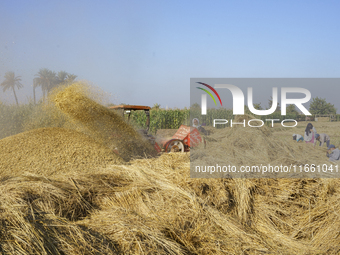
{"x": 175, "y": 146}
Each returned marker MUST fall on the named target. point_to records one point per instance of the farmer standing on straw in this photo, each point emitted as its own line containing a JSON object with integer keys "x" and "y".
{"x": 310, "y": 133}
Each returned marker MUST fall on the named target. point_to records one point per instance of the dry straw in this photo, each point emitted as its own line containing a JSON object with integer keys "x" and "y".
{"x": 56, "y": 202}
{"x": 103, "y": 124}
{"x": 245, "y": 146}
{"x": 53, "y": 151}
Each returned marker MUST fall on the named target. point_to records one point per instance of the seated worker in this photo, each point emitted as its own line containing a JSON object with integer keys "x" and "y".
{"x": 322, "y": 138}
{"x": 297, "y": 137}
{"x": 310, "y": 133}
{"x": 196, "y": 124}
{"x": 333, "y": 153}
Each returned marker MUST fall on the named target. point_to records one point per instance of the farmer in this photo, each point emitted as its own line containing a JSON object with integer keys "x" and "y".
{"x": 196, "y": 124}
{"x": 333, "y": 153}
{"x": 310, "y": 133}
{"x": 297, "y": 137}
{"x": 322, "y": 138}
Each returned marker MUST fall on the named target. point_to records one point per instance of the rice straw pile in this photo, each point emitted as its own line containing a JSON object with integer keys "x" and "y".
{"x": 103, "y": 124}
{"x": 51, "y": 151}
{"x": 153, "y": 207}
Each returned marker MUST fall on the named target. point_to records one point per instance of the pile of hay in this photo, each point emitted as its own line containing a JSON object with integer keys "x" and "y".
{"x": 148, "y": 207}
{"x": 152, "y": 206}
{"x": 65, "y": 192}
{"x": 101, "y": 123}
{"x": 51, "y": 151}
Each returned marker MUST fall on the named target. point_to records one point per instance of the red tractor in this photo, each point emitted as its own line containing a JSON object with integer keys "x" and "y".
{"x": 184, "y": 138}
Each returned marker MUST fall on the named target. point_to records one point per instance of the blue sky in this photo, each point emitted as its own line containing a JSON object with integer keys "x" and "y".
{"x": 145, "y": 52}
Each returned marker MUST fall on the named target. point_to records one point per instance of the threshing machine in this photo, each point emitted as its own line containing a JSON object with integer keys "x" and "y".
{"x": 181, "y": 141}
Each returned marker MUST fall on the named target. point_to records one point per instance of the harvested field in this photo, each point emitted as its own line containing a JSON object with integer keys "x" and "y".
{"x": 242, "y": 146}
{"x": 63, "y": 191}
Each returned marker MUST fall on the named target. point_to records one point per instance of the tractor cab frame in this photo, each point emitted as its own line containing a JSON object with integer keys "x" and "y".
{"x": 126, "y": 109}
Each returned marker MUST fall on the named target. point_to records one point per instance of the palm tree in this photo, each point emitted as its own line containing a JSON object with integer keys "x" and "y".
{"x": 46, "y": 79}
{"x": 71, "y": 77}
{"x": 11, "y": 81}
{"x": 62, "y": 76}
{"x": 35, "y": 85}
